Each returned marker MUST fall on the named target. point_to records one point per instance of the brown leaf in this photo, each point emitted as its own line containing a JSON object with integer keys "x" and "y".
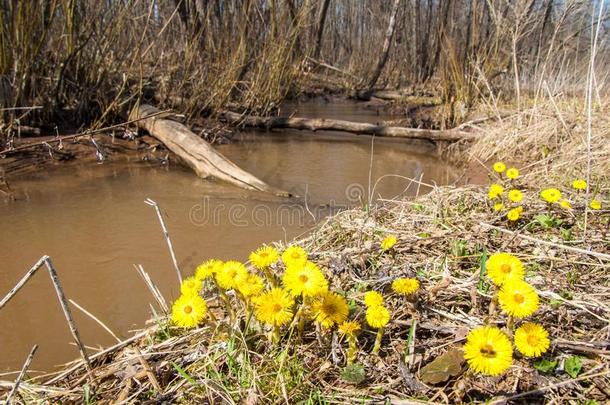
{"x": 443, "y": 367}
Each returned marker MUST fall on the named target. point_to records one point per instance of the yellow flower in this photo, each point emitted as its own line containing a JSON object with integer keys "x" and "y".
{"x": 264, "y": 257}
{"x": 305, "y": 279}
{"x": 532, "y": 340}
{"x": 550, "y": 195}
{"x": 329, "y": 308}
{"x": 595, "y": 205}
{"x": 373, "y": 298}
{"x": 488, "y": 351}
{"x": 499, "y": 167}
{"x": 495, "y": 190}
{"x": 294, "y": 255}
{"x": 405, "y": 286}
{"x": 251, "y": 285}
{"x": 231, "y": 274}
{"x": 189, "y": 311}
{"x": 515, "y": 195}
{"x": 565, "y": 204}
{"x": 274, "y": 307}
{"x": 190, "y": 285}
{"x": 502, "y": 267}
{"x": 349, "y": 328}
{"x": 388, "y": 242}
{"x": 517, "y": 298}
{"x": 512, "y": 173}
{"x": 377, "y": 316}
{"x": 579, "y": 184}
{"x": 514, "y": 214}
{"x": 207, "y": 269}
{"x": 498, "y": 206}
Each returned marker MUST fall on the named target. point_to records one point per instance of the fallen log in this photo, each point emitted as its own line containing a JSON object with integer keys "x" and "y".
{"x": 359, "y": 128}
{"x": 197, "y": 153}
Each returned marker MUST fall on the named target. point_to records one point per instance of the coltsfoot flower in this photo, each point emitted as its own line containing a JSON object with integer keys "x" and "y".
{"x": 294, "y": 255}
{"x": 207, "y": 269}
{"x": 263, "y": 257}
{"x": 274, "y": 307}
{"x": 515, "y": 195}
{"x": 517, "y": 298}
{"x": 190, "y": 285}
{"x": 550, "y": 195}
{"x": 504, "y": 266}
{"x": 512, "y": 173}
{"x": 377, "y": 316}
{"x": 495, "y": 191}
{"x": 499, "y": 167}
{"x": 388, "y": 242}
{"x": 349, "y": 328}
{"x": 373, "y": 298}
{"x": 189, "y": 311}
{"x": 531, "y": 339}
{"x": 579, "y": 184}
{"x": 306, "y": 279}
{"x": 329, "y": 308}
{"x": 405, "y": 286}
{"x": 514, "y": 214}
{"x": 488, "y": 351}
{"x": 231, "y": 274}
{"x": 251, "y": 285}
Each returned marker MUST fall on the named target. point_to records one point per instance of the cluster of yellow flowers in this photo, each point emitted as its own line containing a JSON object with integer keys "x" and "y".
{"x": 553, "y": 195}
{"x": 514, "y": 194}
{"x": 513, "y": 201}
{"x": 282, "y": 291}
{"x": 488, "y": 349}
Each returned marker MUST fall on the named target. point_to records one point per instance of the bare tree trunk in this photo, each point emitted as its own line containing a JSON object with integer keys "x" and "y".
{"x": 320, "y": 28}
{"x": 386, "y": 47}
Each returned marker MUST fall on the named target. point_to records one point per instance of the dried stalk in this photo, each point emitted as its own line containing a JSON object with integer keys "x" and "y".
{"x": 24, "y": 369}
{"x": 166, "y": 235}
{"x": 154, "y": 290}
{"x": 66, "y": 309}
{"x": 46, "y": 260}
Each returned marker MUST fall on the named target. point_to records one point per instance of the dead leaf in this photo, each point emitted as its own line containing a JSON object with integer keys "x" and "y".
{"x": 443, "y": 367}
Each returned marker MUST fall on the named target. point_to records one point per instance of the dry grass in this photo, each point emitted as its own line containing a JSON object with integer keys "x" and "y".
{"x": 549, "y": 138}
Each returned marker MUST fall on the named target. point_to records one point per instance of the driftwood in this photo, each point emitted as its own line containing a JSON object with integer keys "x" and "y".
{"x": 197, "y": 153}
{"x": 360, "y": 128}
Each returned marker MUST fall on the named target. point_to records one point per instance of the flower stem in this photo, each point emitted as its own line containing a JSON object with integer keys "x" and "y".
{"x": 378, "y": 341}
{"x": 275, "y": 336}
{"x": 270, "y": 277}
{"x": 510, "y": 325}
{"x": 227, "y": 302}
{"x": 352, "y": 349}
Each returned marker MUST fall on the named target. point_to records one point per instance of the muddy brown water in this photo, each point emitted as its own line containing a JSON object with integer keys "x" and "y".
{"x": 92, "y": 220}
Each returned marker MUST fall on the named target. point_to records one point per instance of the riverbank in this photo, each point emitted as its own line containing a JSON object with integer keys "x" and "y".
{"x": 444, "y": 239}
